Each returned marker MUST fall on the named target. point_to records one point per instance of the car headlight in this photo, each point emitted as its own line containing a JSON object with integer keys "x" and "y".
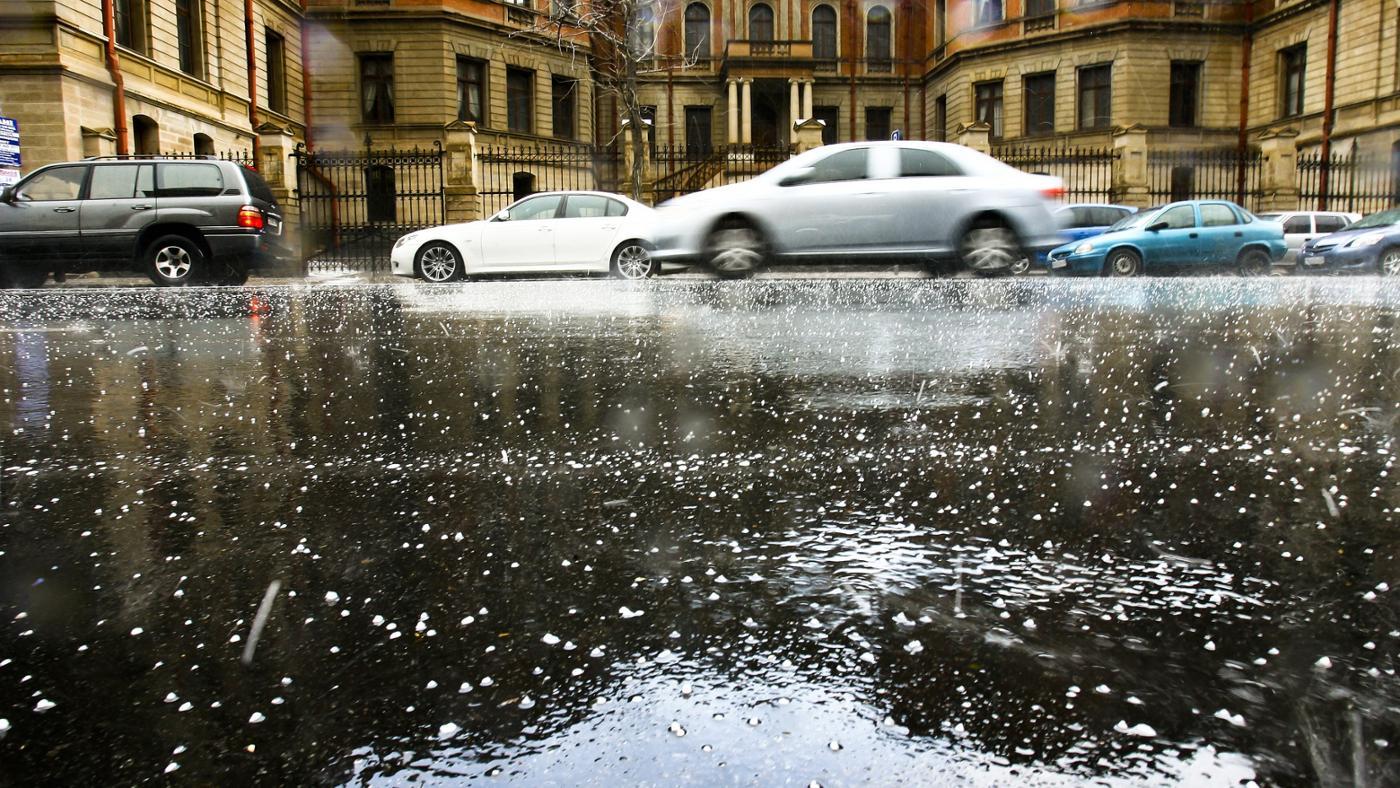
{"x": 403, "y": 240}
{"x": 1084, "y": 248}
{"x": 1369, "y": 239}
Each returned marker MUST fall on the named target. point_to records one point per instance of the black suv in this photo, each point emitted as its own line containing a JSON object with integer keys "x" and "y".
{"x": 180, "y": 221}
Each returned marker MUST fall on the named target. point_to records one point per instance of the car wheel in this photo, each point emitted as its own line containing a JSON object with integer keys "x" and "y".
{"x": 1390, "y": 262}
{"x": 438, "y": 262}
{"x": 231, "y": 273}
{"x": 174, "y": 261}
{"x": 1254, "y": 262}
{"x": 989, "y": 247}
{"x": 735, "y": 249}
{"x": 632, "y": 260}
{"x": 1123, "y": 262}
{"x": 1021, "y": 267}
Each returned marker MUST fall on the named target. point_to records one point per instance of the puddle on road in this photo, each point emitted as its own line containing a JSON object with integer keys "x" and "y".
{"x": 701, "y": 532}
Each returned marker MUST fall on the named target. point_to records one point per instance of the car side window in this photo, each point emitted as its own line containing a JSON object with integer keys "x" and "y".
{"x": 848, "y": 165}
{"x": 535, "y": 209}
{"x": 60, "y": 183}
{"x": 617, "y": 208}
{"x": 113, "y": 182}
{"x": 1105, "y": 217}
{"x": 190, "y": 180}
{"x": 1331, "y": 223}
{"x": 1179, "y": 218}
{"x": 1298, "y": 225}
{"x": 1214, "y": 214}
{"x": 919, "y": 163}
{"x": 146, "y": 181}
{"x": 1081, "y": 217}
{"x": 585, "y": 206}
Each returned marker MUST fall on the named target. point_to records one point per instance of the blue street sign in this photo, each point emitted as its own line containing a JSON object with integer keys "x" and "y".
{"x": 897, "y": 135}
{"x": 9, "y": 143}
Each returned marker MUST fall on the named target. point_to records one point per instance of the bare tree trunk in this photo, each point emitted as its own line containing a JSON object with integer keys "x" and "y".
{"x": 636, "y": 125}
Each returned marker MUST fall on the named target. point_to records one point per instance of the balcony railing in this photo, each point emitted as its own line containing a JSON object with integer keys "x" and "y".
{"x": 1043, "y": 22}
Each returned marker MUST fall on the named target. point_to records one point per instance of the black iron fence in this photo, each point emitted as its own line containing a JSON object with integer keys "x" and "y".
{"x": 509, "y": 172}
{"x": 355, "y": 204}
{"x": 1087, "y": 172}
{"x": 1352, "y": 182}
{"x": 1218, "y": 174}
{"x": 684, "y": 169}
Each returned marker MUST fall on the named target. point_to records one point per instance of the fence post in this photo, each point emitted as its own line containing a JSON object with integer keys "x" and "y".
{"x": 807, "y": 134}
{"x": 628, "y": 157}
{"x": 275, "y": 146}
{"x": 1278, "y": 183}
{"x": 1130, "y": 181}
{"x": 459, "y": 187}
{"x": 975, "y": 135}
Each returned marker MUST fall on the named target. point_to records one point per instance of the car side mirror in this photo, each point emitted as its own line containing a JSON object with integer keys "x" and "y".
{"x": 799, "y": 176}
{"x": 1152, "y": 228}
{"x": 501, "y": 217}
{"x": 7, "y": 193}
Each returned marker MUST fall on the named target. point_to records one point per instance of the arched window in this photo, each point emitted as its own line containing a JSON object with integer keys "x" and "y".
{"x": 761, "y": 22}
{"x": 877, "y": 38}
{"x": 203, "y": 145}
{"x": 641, "y": 39}
{"x": 697, "y": 30}
{"x": 147, "y": 134}
{"x": 824, "y": 33}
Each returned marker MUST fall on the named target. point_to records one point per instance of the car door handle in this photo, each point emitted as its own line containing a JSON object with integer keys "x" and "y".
{"x": 1194, "y": 235}
{"x": 64, "y": 210}
{"x": 544, "y": 230}
{"x": 1239, "y": 234}
{"x": 140, "y": 207}
{"x": 609, "y": 227}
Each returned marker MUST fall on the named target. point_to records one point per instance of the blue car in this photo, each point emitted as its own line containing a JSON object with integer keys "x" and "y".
{"x": 1190, "y": 235}
{"x": 1370, "y": 245}
{"x": 1077, "y": 222}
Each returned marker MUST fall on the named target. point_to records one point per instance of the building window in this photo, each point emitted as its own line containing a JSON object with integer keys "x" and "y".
{"x": 824, "y": 33}
{"x": 642, "y": 37}
{"x": 1039, "y": 90}
{"x": 276, "y": 47}
{"x": 761, "y": 22}
{"x": 877, "y": 122}
{"x": 1096, "y": 96}
{"x": 877, "y": 39}
{"x": 1185, "y": 89}
{"x": 1040, "y": 8}
{"x": 648, "y": 113}
{"x": 1293, "y": 63}
{"x": 471, "y": 90}
{"x": 987, "y": 103}
{"x": 831, "y": 116}
{"x": 988, "y": 12}
{"x": 940, "y": 118}
{"x": 699, "y": 130}
{"x": 377, "y": 87}
{"x": 130, "y": 19}
{"x": 697, "y": 31}
{"x": 189, "y": 30}
{"x": 565, "y": 92}
{"x": 381, "y": 203}
{"x": 940, "y": 22}
{"x": 520, "y": 96}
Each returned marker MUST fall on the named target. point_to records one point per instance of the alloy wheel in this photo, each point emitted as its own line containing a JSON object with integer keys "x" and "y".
{"x": 735, "y": 250}
{"x": 439, "y": 264}
{"x": 633, "y": 262}
{"x": 1021, "y": 266}
{"x": 1390, "y": 263}
{"x": 990, "y": 248}
{"x": 173, "y": 263}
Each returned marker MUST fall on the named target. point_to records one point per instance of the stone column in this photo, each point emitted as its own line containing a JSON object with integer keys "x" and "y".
{"x": 733, "y": 112}
{"x": 1130, "y": 184}
{"x": 794, "y": 105}
{"x": 807, "y": 98}
{"x": 974, "y": 135}
{"x": 1279, "y": 180}
{"x": 275, "y": 147}
{"x": 747, "y": 114}
{"x": 459, "y": 148}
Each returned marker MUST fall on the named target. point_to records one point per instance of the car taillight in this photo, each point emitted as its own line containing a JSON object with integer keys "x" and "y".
{"x": 250, "y": 217}
{"x": 1053, "y": 192}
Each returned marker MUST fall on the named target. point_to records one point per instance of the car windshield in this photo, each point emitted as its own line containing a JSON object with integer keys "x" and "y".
{"x": 1382, "y": 219}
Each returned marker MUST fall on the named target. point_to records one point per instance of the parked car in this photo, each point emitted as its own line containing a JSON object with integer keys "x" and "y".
{"x": 1077, "y": 222}
{"x": 1194, "y": 234}
{"x": 870, "y": 201}
{"x": 1371, "y": 244}
{"x": 179, "y": 221}
{"x": 1299, "y": 227}
{"x": 576, "y": 231}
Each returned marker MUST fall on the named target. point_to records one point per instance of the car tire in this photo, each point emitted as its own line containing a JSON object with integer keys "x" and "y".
{"x": 438, "y": 262}
{"x": 632, "y": 260}
{"x": 989, "y": 248}
{"x": 735, "y": 249}
{"x": 1021, "y": 267}
{"x": 1253, "y": 262}
{"x": 1123, "y": 262}
{"x": 1388, "y": 264}
{"x": 173, "y": 261}
{"x": 14, "y": 275}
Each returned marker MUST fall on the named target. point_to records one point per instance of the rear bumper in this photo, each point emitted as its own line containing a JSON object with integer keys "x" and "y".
{"x": 258, "y": 249}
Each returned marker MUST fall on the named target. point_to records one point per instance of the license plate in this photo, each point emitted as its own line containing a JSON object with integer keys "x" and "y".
{"x": 1313, "y": 259}
{"x": 1058, "y": 263}
{"x": 274, "y": 225}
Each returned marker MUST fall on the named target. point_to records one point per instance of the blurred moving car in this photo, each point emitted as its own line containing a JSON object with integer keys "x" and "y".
{"x": 1077, "y": 222}
{"x": 943, "y": 204}
{"x": 1299, "y": 227}
{"x": 1182, "y": 235}
{"x": 1371, "y": 244}
{"x": 574, "y": 231}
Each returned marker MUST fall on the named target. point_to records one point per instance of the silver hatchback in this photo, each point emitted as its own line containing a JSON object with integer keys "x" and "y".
{"x": 943, "y": 204}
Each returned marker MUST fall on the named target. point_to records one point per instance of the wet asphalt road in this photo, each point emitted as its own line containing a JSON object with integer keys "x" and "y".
{"x": 688, "y": 532}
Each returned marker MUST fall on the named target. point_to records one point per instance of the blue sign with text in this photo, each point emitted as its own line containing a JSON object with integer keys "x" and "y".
{"x": 9, "y": 143}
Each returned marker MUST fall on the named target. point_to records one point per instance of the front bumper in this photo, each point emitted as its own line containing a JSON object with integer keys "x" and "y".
{"x": 1069, "y": 264}
{"x": 1339, "y": 258}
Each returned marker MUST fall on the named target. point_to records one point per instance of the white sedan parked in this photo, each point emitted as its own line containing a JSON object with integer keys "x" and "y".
{"x": 574, "y": 232}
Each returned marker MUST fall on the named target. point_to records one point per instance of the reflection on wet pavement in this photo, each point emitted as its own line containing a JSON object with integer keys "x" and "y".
{"x": 696, "y": 533}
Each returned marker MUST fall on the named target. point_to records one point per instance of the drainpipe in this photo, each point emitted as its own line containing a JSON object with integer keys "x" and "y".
{"x": 1244, "y": 101}
{"x": 253, "y": 79}
{"x": 114, "y": 67}
{"x": 1327, "y": 105}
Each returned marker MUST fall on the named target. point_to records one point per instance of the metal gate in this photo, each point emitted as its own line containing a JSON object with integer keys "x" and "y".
{"x": 356, "y": 204}
{"x": 511, "y": 172}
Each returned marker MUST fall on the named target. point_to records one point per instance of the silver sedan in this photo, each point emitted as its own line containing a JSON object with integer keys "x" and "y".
{"x": 946, "y": 205}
